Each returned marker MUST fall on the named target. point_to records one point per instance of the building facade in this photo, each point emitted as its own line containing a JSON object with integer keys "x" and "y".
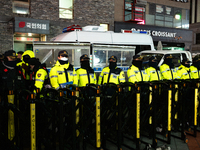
{"x": 195, "y": 25}
{"x": 25, "y": 21}
{"x": 166, "y": 21}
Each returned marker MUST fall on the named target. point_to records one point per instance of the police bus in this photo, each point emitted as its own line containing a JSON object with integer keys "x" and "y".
{"x": 95, "y": 42}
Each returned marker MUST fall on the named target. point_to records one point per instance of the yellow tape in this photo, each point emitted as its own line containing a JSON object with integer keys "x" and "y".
{"x": 176, "y": 100}
{"x": 138, "y": 116}
{"x": 77, "y": 114}
{"x": 169, "y": 109}
{"x": 98, "y": 135}
{"x": 33, "y": 126}
{"x": 11, "y": 122}
{"x": 195, "y": 106}
{"x": 150, "y": 101}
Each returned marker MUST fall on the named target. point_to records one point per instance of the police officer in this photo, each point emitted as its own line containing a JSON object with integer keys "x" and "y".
{"x": 183, "y": 70}
{"x": 85, "y": 74}
{"x": 195, "y": 67}
{"x": 10, "y": 70}
{"x": 63, "y": 73}
{"x": 11, "y": 77}
{"x": 152, "y": 70}
{"x": 39, "y": 74}
{"x": 25, "y": 66}
{"x": 136, "y": 73}
{"x": 19, "y": 56}
{"x": 111, "y": 73}
{"x": 167, "y": 69}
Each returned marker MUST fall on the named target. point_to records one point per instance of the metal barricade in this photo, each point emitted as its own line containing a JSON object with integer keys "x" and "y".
{"x": 92, "y": 116}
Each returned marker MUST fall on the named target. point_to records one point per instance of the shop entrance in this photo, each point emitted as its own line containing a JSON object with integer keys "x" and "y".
{"x": 24, "y": 41}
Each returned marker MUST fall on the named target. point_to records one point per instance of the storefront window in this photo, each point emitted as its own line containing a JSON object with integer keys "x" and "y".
{"x": 150, "y": 14}
{"x": 185, "y": 18}
{"x": 134, "y": 12}
{"x": 66, "y": 9}
{"x": 177, "y": 18}
{"x": 166, "y": 16}
{"x": 21, "y": 6}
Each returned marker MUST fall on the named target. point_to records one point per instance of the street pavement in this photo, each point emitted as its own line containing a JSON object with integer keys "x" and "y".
{"x": 176, "y": 143}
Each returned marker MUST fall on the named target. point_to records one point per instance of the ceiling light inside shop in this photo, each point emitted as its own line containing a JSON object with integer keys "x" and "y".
{"x": 21, "y": 12}
{"x": 23, "y": 39}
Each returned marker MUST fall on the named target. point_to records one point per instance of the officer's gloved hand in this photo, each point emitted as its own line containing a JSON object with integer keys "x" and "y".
{"x": 47, "y": 86}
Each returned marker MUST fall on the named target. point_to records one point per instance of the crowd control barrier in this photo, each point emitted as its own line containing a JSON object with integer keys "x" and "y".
{"x": 95, "y": 117}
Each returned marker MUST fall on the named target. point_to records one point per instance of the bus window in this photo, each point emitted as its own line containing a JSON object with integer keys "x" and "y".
{"x": 101, "y": 54}
{"x": 124, "y": 58}
{"x": 176, "y": 59}
{"x": 117, "y": 54}
{"x": 99, "y": 58}
{"x": 184, "y": 56}
{"x": 127, "y": 57}
{"x": 45, "y": 56}
{"x": 148, "y": 55}
{"x": 77, "y": 54}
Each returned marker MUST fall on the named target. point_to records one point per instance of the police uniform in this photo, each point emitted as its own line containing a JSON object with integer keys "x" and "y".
{"x": 115, "y": 75}
{"x": 135, "y": 72}
{"x": 194, "y": 68}
{"x": 136, "y": 75}
{"x": 39, "y": 74}
{"x": 153, "y": 73}
{"x": 107, "y": 76}
{"x": 23, "y": 63}
{"x": 183, "y": 72}
{"x": 11, "y": 75}
{"x": 85, "y": 74}
{"x": 194, "y": 72}
{"x": 168, "y": 73}
{"x": 25, "y": 66}
{"x": 62, "y": 74}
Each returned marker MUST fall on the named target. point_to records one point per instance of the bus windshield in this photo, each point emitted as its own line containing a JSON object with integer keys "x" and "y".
{"x": 148, "y": 55}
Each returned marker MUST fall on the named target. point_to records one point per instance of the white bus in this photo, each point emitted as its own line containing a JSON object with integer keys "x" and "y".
{"x": 98, "y": 44}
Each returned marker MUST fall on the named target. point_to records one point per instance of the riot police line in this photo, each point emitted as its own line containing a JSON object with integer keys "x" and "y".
{"x": 75, "y": 118}
{"x": 73, "y": 114}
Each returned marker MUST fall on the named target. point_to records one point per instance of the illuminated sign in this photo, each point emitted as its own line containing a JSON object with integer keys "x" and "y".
{"x": 158, "y": 33}
{"x": 26, "y": 39}
{"x": 27, "y": 25}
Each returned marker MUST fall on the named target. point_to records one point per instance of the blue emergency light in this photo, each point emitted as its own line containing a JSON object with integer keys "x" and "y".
{"x": 143, "y": 32}
{"x": 74, "y": 27}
